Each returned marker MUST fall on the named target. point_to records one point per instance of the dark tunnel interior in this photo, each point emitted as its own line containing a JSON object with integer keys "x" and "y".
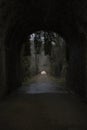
{"x": 43, "y": 64}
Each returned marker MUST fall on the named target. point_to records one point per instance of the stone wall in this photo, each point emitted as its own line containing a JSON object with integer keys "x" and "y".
{"x": 2, "y": 71}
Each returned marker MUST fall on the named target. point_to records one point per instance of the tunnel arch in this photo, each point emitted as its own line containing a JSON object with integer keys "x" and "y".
{"x": 62, "y": 18}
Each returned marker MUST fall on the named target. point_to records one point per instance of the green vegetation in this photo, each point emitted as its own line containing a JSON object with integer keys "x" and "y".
{"x": 60, "y": 81}
{"x": 54, "y": 48}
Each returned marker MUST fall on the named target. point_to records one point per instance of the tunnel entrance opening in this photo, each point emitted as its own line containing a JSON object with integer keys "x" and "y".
{"x": 43, "y": 58}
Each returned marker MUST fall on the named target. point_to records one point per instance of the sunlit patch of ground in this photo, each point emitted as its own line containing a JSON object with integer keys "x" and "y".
{"x": 43, "y": 73}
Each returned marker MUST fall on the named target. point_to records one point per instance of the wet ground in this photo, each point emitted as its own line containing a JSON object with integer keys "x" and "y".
{"x": 43, "y": 105}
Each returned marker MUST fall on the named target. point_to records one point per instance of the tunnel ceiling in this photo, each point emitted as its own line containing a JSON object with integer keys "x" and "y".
{"x": 18, "y": 18}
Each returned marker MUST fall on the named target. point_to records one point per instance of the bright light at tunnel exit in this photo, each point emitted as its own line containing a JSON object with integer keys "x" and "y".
{"x": 43, "y": 72}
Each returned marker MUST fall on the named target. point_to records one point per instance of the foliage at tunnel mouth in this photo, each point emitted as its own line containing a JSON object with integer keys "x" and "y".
{"x": 44, "y": 51}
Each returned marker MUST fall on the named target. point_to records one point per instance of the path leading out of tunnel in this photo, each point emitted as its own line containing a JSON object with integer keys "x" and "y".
{"x": 43, "y": 105}
{"x": 43, "y": 84}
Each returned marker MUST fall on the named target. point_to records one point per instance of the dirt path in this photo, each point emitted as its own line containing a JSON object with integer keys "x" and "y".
{"x": 43, "y": 84}
{"x": 43, "y": 108}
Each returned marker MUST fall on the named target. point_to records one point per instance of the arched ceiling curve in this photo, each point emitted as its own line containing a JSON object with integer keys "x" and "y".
{"x": 63, "y": 17}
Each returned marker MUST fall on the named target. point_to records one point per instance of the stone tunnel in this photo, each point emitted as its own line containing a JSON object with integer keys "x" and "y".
{"x": 18, "y": 19}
